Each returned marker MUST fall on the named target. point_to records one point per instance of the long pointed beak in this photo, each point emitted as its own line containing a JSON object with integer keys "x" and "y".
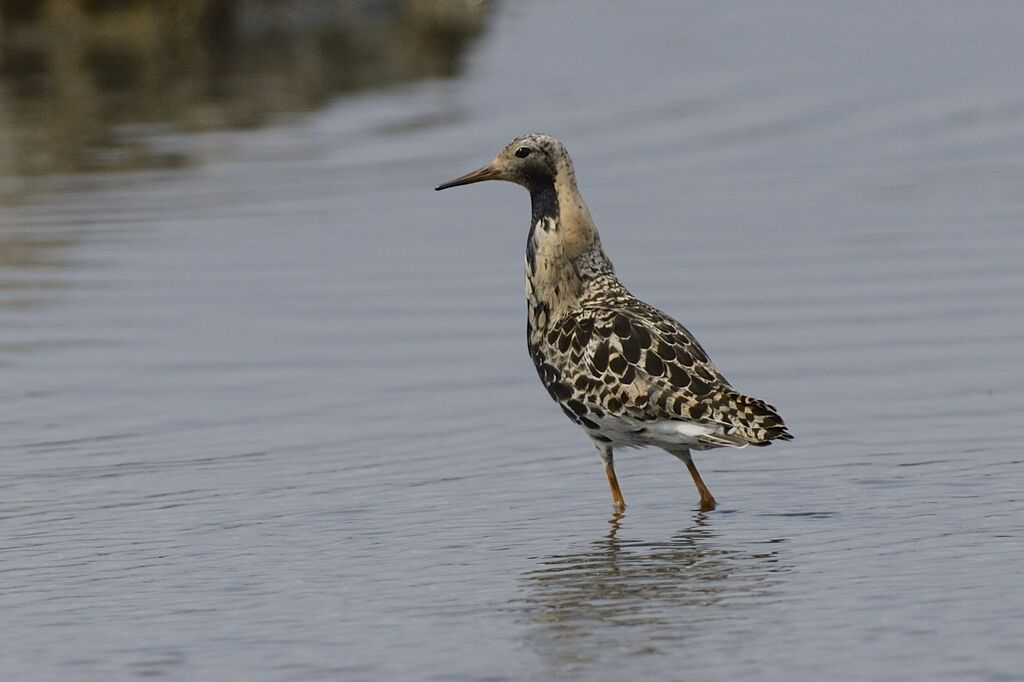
{"x": 488, "y": 172}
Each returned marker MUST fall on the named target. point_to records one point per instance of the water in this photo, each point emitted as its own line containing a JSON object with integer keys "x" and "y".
{"x": 269, "y": 415}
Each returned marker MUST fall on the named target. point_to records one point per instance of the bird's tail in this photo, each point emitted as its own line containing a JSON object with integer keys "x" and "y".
{"x": 750, "y": 419}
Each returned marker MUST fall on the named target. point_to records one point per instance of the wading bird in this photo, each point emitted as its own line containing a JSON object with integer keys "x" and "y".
{"x": 624, "y": 371}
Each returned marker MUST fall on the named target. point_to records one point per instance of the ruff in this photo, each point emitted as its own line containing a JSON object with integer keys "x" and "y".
{"x": 625, "y": 372}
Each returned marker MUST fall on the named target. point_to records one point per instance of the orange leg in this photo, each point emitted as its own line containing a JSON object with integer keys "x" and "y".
{"x": 613, "y": 483}
{"x": 707, "y": 500}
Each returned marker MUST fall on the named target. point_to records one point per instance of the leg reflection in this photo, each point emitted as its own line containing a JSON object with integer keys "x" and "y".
{"x": 624, "y": 596}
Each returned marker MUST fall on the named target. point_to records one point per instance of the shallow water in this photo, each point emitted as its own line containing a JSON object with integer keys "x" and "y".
{"x": 269, "y": 414}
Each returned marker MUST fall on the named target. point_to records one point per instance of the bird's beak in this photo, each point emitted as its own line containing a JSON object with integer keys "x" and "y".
{"x": 488, "y": 172}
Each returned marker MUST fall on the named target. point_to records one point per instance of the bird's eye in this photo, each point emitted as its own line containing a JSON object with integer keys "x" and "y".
{"x": 523, "y": 152}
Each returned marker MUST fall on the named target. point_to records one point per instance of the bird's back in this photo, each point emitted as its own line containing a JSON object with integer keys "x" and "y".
{"x": 631, "y": 374}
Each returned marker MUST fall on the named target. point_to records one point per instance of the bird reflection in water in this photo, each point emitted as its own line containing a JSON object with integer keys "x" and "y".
{"x": 635, "y": 597}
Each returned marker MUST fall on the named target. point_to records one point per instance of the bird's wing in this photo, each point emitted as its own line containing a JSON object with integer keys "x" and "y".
{"x": 635, "y": 362}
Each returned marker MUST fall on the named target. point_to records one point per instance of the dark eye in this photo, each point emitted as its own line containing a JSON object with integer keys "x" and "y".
{"x": 523, "y": 152}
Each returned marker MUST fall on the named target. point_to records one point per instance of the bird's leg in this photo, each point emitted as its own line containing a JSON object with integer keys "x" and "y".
{"x": 707, "y": 500}
{"x": 613, "y": 482}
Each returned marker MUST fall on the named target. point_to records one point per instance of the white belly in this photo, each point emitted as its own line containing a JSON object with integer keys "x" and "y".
{"x": 669, "y": 434}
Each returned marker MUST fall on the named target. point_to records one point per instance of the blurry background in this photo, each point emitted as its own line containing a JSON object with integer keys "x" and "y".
{"x": 86, "y": 81}
{"x": 268, "y": 412}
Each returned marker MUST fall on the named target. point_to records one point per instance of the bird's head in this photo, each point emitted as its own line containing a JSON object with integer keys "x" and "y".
{"x": 532, "y": 161}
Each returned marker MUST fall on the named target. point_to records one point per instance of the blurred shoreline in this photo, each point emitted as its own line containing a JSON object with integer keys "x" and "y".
{"x": 72, "y": 70}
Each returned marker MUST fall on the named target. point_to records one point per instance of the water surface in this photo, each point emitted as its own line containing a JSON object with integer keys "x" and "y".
{"x": 269, "y": 414}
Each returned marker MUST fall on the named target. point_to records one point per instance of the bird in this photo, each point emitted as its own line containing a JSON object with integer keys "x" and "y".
{"x": 628, "y": 374}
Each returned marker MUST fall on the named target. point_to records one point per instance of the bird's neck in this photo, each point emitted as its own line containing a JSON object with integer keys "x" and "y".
{"x": 563, "y": 251}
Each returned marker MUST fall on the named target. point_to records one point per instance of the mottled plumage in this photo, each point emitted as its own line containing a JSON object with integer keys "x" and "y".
{"x": 625, "y": 372}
